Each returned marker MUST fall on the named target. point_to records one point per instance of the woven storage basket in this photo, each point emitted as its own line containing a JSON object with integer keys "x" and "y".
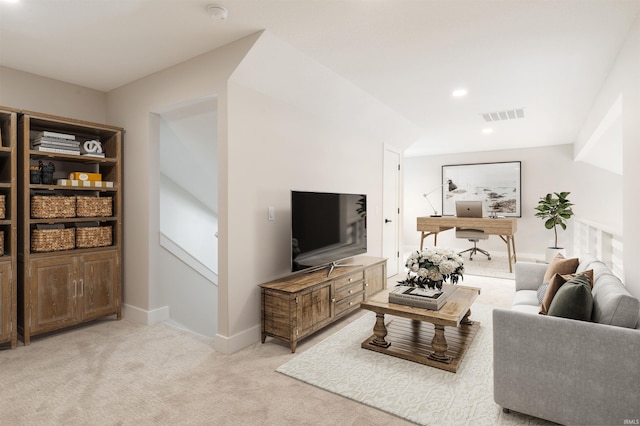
{"x": 3, "y": 211}
{"x": 46, "y": 206}
{"x": 53, "y": 239}
{"x": 93, "y": 206}
{"x": 99, "y": 236}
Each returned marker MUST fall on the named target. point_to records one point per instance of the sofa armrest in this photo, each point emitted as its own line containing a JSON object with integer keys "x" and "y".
{"x": 529, "y": 275}
{"x": 565, "y": 371}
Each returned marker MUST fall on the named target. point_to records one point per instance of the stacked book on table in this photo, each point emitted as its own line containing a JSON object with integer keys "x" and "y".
{"x": 61, "y": 143}
{"x": 432, "y": 299}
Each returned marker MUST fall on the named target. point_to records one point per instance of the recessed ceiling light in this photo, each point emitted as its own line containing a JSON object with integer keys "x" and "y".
{"x": 458, "y": 93}
{"x": 487, "y": 130}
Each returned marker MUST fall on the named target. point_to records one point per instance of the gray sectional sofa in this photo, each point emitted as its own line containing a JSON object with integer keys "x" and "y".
{"x": 564, "y": 370}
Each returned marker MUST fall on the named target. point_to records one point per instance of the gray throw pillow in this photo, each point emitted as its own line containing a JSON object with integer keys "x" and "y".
{"x": 573, "y": 300}
{"x": 541, "y": 291}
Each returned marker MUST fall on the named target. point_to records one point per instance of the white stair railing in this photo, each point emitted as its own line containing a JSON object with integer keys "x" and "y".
{"x": 600, "y": 241}
{"x": 188, "y": 259}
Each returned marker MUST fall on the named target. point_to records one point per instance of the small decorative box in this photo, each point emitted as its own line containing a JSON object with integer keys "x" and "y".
{"x": 85, "y": 176}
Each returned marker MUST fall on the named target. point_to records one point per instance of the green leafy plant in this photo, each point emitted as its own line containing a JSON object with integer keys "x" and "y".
{"x": 555, "y": 211}
{"x": 362, "y": 210}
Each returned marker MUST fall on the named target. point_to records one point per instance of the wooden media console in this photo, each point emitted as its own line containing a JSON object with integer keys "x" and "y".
{"x": 300, "y": 304}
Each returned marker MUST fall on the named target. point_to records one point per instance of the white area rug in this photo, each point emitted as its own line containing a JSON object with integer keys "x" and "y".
{"x": 415, "y": 392}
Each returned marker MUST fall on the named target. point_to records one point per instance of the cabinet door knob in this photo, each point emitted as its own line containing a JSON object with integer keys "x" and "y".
{"x": 350, "y": 279}
{"x": 333, "y": 300}
{"x": 350, "y": 303}
{"x": 350, "y": 291}
{"x": 366, "y": 284}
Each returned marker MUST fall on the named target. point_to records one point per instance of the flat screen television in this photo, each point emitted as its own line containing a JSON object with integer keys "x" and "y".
{"x": 326, "y": 228}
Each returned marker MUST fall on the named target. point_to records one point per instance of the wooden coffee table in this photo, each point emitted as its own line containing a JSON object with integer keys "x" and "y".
{"x": 408, "y": 337}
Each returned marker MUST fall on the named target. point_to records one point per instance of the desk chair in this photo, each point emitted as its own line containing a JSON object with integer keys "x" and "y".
{"x": 473, "y": 235}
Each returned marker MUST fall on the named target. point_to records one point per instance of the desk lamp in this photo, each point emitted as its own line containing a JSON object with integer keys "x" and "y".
{"x": 452, "y": 186}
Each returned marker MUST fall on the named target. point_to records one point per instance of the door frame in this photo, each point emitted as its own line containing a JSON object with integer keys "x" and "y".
{"x": 395, "y": 151}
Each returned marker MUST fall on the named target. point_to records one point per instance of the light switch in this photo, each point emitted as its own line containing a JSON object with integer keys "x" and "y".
{"x": 272, "y": 213}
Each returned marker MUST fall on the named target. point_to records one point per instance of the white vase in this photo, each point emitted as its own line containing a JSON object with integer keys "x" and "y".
{"x": 552, "y": 252}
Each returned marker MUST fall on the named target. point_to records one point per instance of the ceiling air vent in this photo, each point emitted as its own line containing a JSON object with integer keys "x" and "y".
{"x": 509, "y": 114}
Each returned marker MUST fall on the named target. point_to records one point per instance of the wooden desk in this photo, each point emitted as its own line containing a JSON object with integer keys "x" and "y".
{"x": 505, "y": 228}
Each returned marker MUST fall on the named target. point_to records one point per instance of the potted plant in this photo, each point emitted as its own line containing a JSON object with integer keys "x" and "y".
{"x": 555, "y": 210}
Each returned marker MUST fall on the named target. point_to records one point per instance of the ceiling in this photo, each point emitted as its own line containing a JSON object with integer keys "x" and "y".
{"x": 548, "y": 58}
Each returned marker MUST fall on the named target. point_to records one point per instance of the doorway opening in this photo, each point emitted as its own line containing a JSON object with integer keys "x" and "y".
{"x": 188, "y": 199}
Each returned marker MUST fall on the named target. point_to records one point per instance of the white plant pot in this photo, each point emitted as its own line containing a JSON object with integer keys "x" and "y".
{"x": 552, "y": 252}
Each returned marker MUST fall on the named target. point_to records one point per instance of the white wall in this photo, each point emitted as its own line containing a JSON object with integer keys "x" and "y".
{"x": 136, "y": 107}
{"x": 188, "y": 223}
{"x": 306, "y": 154}
{"x": 295, "y": 124}
{"x": 21, "y": 90}
{"x": 194, "y": 299}
{"x": 189, "y": 148}
{"x": 246, "y": 187}
{"x": 309, "y": 130}
{"x": 623, "y": 81}
{"x": 596, "y": 193}
{"x": 284, "y": 122}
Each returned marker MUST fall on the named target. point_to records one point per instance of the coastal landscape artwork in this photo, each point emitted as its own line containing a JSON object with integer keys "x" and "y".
{"x": 497, "y": 185}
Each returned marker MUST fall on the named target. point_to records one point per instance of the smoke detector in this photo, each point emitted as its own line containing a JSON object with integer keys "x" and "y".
{"x": 217, "y": 12}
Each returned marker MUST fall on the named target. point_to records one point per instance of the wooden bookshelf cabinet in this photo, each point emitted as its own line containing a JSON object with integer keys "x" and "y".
{"x": 300, "y": 304}
{"x": 73, "y": 289}
{"x": 65, "y": 287}
{"x": 8, "y": 227}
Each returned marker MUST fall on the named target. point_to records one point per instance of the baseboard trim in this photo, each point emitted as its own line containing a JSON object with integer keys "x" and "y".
{"x": 230, "y": 345}
{"x": 143, "y": 316}
{"x": 223, "y": 344}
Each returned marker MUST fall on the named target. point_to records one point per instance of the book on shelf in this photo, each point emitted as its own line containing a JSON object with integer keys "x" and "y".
{"x": 57, "y": 135}
{"x": 58, "y": 142}
{"x": 56, "y": 150}
{"x": 418, "y": 297}
{"x": 54, "y": 146}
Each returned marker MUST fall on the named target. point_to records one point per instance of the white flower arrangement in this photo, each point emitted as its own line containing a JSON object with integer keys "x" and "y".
{"x": 431, "y": 266}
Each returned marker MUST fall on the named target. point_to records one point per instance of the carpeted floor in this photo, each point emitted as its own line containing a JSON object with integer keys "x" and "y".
{"x": 497, "y": 267}
{"x": 125, "y": 373}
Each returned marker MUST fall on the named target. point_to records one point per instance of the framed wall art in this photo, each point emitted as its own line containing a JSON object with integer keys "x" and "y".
{"x": 497, "y": 185}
